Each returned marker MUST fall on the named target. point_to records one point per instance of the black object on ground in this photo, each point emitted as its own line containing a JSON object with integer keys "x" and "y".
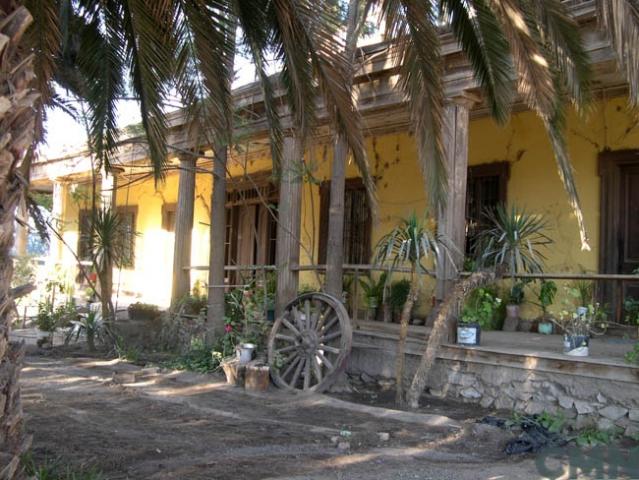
{"x": 533, "y": 438}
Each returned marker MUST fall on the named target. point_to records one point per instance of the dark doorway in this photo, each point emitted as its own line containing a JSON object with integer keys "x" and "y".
{"x": 619, "y": 253}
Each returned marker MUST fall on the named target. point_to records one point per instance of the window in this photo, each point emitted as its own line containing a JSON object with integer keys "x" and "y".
{"x": 128, "y": 217}
{"x": 84, "y": 235}
{"x": 357, "y": 222}
{"x": 487, "y": 187}
{"x": 168, "y": 216}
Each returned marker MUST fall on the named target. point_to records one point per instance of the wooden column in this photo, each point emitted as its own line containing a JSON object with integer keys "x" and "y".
{"x": 183, "y": 228}
{"x": 57, "y": 220}
{"x": 289, "y": 222}
{"x": 452, "y": 218}
{"x": 335, "y": 242}
{"x": 217, "y": 242}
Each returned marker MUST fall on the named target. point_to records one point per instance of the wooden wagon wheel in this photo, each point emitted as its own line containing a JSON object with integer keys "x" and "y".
{"x": 310, "y": 343}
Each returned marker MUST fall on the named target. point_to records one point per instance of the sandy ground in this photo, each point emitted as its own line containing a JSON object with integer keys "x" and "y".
{"x": 170, "y": 425}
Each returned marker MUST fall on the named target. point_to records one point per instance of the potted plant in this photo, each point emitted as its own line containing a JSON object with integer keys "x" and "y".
{"x": 546, "y": 297}
{"x": 579, "y": 326}
{"x": 479, "y": 312}
{"x": 631, "y": 310}
{"x": 514, "y": 242}
{"x": 514, "y": 299}
{"x": 373, "y": 293}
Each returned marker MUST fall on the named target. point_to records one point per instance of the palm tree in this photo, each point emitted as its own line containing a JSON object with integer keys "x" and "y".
{"x": 410, "y": 243}
{"x": 94, "y": 47}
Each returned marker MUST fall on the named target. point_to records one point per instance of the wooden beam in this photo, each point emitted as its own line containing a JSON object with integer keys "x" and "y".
{"x": 183, "y": 228}
{"x": 289, "y": 222}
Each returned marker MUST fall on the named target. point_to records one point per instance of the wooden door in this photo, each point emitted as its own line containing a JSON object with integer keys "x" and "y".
{"x": 628, "y": 239}
{"x": 619, "y": 233}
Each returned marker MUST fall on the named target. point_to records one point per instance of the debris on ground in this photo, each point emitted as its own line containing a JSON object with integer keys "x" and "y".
{"x": 532, "y": 438}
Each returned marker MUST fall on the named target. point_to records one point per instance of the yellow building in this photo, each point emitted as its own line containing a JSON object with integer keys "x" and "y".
{"x": 513, "y": 163}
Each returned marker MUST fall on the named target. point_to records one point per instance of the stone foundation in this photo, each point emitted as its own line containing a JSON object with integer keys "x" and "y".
{"x": 595, "y": 400}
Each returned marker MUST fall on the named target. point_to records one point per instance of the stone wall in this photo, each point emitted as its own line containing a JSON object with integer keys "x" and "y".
{"x": 585, "y": 401}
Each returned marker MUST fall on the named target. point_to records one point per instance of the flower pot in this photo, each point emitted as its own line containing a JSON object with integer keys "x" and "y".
{"x": 245, "y": 352}
{"x": 270, "y": 315}
{"x": 576, "y": 345}
{"x": 512, "y": 318}
{"x": 545, "y": 328}
{"x": 468, "y": 334}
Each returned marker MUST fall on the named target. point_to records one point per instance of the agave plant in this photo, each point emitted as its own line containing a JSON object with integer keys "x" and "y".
{"x": 108, "y": 240}
{"x": 515, "y": 241}
{"x": 411, "y": 243}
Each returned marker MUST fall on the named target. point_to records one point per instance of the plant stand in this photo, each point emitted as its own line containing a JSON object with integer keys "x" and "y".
{"x": 257, "y": 378}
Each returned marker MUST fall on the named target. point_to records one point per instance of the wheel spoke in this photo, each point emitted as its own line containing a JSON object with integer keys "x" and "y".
{"x": 286, "y": 349}
{"x": 317, "y": 369}
{"x": 298, "y": 370}
{"x": 325, "y": 361}
{"x": 291, "y": 327}
{"x": 328, "y": 348}
{"x": 330, "y": 324}
{"x": 290, "y": 368}
{"x": 298, "y": 318}
{"x": 289, "y": 358}
{"x": 331, "y": 336}
{"x": 307, "y": 313}
{"x": 323, "y": 317}
{"x": 307, "y": 374}
{"x": 287, "y": 338}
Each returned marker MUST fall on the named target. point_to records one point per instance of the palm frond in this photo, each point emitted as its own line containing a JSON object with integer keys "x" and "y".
{"x": 483, "y": 42}
{"x": 205, "y": 39}
{"x": 619, "y": 19}
{"x": 150, "y": 48}
{"x": 44, "y": 38}
{"x": 411, "y": 25}
{"x": 535, "y": 76}
{"x": 253, "y": 19}
{"x": 561, "y": 36}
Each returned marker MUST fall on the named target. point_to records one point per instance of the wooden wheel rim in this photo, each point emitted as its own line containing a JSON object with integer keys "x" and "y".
{"x": 309, "y": 343}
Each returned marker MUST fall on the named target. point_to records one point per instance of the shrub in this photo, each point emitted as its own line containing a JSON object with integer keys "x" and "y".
{"x": 143, "y": 311}
{"x": 482, "y": 307}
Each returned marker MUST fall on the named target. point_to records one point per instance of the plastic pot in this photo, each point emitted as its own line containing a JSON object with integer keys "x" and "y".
{"x": 468, "y": 334}
{"x": 576, "y": 345}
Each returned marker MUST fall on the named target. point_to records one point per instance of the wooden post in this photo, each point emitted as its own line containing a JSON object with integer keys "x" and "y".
{"x": 57, "y": 220}
{"x": 289, "y": 222}
{"x": 335, "y": 242}
{"x": 183, "y": 228}
{"x": 452, "y": 219}
{"x": 215, "y": 313}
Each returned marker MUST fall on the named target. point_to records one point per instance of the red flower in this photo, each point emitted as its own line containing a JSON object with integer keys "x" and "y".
{"x": 228, "y": 328}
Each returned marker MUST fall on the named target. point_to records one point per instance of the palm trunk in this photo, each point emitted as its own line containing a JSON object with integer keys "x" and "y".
{"x": 335, "y": 241}
{"x": 106, "y": 292}
{"x": 449, "y": 308}
{"x": 403, "y": 333}
{"x": 18, "y": 129}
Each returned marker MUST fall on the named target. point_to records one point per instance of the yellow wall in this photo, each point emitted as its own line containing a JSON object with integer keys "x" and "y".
{"x": 534, "y": 185}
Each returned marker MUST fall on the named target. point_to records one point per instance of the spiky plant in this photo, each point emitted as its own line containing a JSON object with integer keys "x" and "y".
{"x": 411, "y": 243}
{"x": 109, "y": 237}
{"x": 515, "y": 241}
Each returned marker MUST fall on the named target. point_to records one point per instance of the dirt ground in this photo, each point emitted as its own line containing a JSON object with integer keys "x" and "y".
{"x": 170, "y": 425}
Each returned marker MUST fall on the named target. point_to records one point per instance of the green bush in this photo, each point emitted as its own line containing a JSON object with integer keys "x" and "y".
{"x": 482, "y": 307}
{"x": 633, "y": 355}
{"x": 199, "y": 358}
{"x": 399, "y": 292}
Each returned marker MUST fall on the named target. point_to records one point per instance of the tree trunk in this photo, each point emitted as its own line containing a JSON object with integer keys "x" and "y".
{"x": 403, "y": 333}
{"x": 335, "y": 242}
{"x": 18, "y": 129}
{"x": 215, "y": 313}
{"x": 450, "y": 308}
{"x": 106, "y": 292}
